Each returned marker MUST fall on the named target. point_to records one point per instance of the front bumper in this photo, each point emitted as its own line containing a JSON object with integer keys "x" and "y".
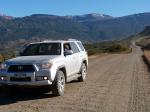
{"x": 31, "y": 83}
{"x": 7, "y": 76}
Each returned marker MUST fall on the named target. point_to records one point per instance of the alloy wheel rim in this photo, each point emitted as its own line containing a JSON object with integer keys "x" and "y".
{"x": 84, "y": 72}
{"x": 61, "y": 83}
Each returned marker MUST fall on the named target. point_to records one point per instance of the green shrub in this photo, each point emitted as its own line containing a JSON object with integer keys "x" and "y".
{"x": 106, "y": 47}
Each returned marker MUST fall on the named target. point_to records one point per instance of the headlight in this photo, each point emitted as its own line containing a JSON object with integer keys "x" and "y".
{"x": 44, "y": 65}
{"x": 3, "y": 66}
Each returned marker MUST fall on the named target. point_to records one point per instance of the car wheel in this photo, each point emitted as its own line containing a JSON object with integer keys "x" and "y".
{"x": 83, "y": 73}
{"x": 58, "y": 86}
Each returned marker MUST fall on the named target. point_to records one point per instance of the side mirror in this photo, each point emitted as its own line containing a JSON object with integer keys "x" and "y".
{"x": 68, "y": 52}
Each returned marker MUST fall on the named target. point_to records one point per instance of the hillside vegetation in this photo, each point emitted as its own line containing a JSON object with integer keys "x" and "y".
{"x": 108, "y": 47}
{"x": 143, "y": 38}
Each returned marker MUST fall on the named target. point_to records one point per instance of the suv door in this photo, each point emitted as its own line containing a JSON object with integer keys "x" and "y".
{"x": 76, "y": 57}
{"x": 72, "y": 61}
{"x": 68, "y": 59}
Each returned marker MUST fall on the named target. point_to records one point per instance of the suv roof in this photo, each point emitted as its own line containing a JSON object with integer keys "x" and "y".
{"x": 57, "y": 41}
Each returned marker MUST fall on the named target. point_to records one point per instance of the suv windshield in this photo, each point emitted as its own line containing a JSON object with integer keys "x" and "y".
{"x": 42, "y": 49}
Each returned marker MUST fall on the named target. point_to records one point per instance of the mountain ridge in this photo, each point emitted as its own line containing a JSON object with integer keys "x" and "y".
{"x": 90, "y": 17}
{"x": 88, "y": 27}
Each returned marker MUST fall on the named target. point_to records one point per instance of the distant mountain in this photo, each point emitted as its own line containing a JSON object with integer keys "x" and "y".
{"x": 89, "y": 27}
{"x": 42, "y": 26}
{"x": 145, "y": 32}
{"x": 4, "y": 18}
{"x": 118, "y": 28}
{"x": 89, "y": 17}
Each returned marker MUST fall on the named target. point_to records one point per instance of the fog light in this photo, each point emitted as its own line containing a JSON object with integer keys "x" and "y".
{"x": 45, "y": 78}
{"x": 2, "y": 78}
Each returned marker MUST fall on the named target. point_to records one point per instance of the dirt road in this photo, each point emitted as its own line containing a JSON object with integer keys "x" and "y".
{"x": 115, "y": 83}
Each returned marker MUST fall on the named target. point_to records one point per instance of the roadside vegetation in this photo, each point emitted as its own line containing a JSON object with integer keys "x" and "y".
{"x": 143, "y": 39}
{"x": 144, "y": 43}
{"x": 146, "y": 57}
{"x": 108, "y": 47}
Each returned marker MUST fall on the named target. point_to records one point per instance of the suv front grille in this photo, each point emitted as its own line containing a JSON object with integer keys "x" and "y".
{"x": 20, "y": 79}
{"x": 21, "y": 68}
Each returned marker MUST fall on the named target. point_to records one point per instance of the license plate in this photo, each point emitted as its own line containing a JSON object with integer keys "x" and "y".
{"x": 20, "y": 75}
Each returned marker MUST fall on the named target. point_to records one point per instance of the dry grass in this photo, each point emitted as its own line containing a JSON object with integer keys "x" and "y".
{"x": 146, "y": 58}
{"x": 147, "y": 55}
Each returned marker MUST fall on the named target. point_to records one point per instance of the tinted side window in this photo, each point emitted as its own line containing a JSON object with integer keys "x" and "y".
{"x": 81, "y": 46}
{"x": 74, "y": 47}
{"x": 67, "y": 46}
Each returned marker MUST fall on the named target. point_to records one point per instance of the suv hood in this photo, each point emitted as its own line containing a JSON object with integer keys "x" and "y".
{"x": 30, "y": 59}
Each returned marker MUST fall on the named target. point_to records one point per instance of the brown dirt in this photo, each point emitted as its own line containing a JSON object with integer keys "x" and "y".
{"x": 115, "y": 83}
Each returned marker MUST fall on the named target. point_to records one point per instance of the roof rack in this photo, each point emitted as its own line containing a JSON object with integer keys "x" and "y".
{"x": 72, "y": 40}
{"x": 46, "y": 40}
{"x": 60, "y": 40}
{"x": 51, "y": 40}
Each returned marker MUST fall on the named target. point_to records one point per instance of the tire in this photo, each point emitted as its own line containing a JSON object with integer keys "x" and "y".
{"x": 12, "y": 90}
{"x": 83, "y": 73}
{"x": 58, "y": 86}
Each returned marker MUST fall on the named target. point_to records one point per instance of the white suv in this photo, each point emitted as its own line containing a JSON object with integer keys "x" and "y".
{"x": 47, "y": 63}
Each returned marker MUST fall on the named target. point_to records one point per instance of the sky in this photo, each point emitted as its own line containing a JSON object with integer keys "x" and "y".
{"x": 116, "y": 8}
